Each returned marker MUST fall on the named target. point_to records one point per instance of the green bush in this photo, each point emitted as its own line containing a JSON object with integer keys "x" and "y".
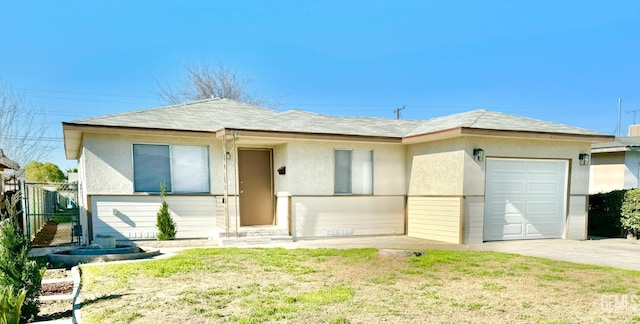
{"x": 631, "y": 212}
{"x": 17, "y": 271}
{"x": 164, "y": 222}
{"x": 10, "y": 304}
{"x": 604, "y": 214}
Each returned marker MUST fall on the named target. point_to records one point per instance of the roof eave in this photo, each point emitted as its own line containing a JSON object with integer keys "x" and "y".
{"x": 470, "y": 131}
{"x": 305, "y": 135}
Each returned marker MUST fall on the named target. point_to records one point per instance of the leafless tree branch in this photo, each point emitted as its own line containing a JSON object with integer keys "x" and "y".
{"x": 22, "y": 128}
{"x": 204, "y": 82}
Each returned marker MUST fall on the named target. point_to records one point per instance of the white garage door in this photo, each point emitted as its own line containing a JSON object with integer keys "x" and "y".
{"x": 525, "y": 199}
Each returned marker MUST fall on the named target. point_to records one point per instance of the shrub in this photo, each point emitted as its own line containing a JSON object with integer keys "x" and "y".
{"x": 164, "y": 222}
{"x": 17, "y": 271}
{"x": 631, "y": 212}
{"x": 10, "y": 304}
{"x": 604, "y": 213}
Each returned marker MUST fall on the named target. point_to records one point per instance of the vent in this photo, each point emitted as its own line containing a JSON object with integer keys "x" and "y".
{"x": 340, "y": 232}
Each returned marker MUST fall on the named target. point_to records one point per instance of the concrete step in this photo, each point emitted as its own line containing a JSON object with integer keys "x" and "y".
{"x": 255, "y": 240}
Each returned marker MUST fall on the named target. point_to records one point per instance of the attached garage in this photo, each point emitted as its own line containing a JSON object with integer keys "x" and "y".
{"x": 525, "y": 199}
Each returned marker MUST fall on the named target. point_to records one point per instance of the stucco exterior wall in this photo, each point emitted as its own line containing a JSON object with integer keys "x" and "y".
{"x": 310, "y": 167}
{"x": 109, "y": 162}
{"x": 608, "y": 172}
{"x": 436, "y": 168}
{"x": 632, "y": 167}
{"x": 525, "y": 149}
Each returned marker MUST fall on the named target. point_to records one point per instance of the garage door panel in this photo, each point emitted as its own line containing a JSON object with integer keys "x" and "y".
{"x": 510, "y": 230}
{"x": 540, "y": 187}
{"x": 504, "y": 205}
{"x": 509, "y": 186}
{"x": 542, "y": 229}
{"x": 548, "y": 209}
{"x": 525, "y": 199}
{"x": 509, "y": 166}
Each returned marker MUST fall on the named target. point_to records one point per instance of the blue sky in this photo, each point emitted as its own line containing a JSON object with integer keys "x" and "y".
{"x": 562, "y": 61}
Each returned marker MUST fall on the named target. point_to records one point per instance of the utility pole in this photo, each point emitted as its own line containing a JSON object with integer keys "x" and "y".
{"x": 634, "y": 114}
{"x": 397, "y": 112}
{"x": 619, "y": 113}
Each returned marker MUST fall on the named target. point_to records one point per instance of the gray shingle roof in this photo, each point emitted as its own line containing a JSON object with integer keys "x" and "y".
{"x": 6, "y": 162}
{"x": 204, "y": 115}
{"x": 303, "y": 121}
{"x": 487, "y": 119}
{"x": 216, "y": 114}
{"x": 619, "y": 144}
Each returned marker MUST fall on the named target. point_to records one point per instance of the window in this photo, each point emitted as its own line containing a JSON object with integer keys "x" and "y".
{"x": 184, "y": 169}
{"x": 353, "y": 172}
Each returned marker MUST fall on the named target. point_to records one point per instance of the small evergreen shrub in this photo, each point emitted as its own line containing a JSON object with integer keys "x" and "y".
{"x": 631, "y": 212}
{"x": 604, "y": 214}
{"x": 164, "y": 222}
{"x": 17, "y": 271}
{"x": 10, "y": 304}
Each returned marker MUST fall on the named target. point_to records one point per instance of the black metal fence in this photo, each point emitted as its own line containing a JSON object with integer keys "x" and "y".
{"x": 53, "y": 203}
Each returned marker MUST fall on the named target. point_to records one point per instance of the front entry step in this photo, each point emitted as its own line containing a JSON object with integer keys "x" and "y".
{"x": 256, "y": 232}
{"x": 253, "y": 240}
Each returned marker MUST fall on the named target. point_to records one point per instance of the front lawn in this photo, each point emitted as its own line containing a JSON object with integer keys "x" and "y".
{"x": 356, "y": 286}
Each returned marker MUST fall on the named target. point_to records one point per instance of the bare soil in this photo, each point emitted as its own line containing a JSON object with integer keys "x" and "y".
{"x": 58, "y": 288}
{"x": 46, "y": 235}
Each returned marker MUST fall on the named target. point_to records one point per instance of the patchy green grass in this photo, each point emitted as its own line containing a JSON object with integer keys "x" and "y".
{"x": 355, "y": 285}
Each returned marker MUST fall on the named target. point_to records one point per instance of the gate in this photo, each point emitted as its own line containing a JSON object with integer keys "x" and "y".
{"x": 50, "y": 212}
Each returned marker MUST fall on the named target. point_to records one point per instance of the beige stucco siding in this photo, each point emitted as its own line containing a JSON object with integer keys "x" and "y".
{"x": 436, "y": 168}
{"x": 525, "y": 149}
{"x": 614, "y": 171}
{"x": 310, "y": 167}
{"x": 434, "y": 218}
{"x": 347, "y": 215}
{"x": 134, "y": 217}
{"x": 607, "y": 177}
{"x": 109, "y": 162}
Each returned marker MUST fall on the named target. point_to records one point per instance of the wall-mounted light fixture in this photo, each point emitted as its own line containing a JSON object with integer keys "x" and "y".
{"x": 282, "y": 170}
{"x": 478, "y": 154}
{"x": 584, "y": 158}
{"x": 228, "y": 155}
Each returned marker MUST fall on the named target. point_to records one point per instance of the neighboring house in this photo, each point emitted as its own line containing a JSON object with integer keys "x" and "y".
{"x": 464, "y": 178}
{"x": 5, "y": 163}
{"x": 615, "y": 165}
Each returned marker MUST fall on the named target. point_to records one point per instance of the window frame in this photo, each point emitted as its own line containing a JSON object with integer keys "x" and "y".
{"x": 351, "y": 173}
{"x": 207, "y": 149}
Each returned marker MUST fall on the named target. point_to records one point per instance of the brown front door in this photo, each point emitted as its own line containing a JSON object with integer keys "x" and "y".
{"x": 256, "y": 187}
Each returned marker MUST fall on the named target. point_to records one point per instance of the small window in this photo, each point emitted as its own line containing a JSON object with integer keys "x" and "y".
{"x": 184, "y": 169}
{"x": 353, "y": 172}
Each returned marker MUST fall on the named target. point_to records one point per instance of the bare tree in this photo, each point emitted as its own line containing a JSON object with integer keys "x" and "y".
{"x": 203, "y": 82}
{"x": 22, "y": 128}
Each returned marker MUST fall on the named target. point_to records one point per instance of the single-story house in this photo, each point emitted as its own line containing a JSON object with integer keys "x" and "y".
{"x": 230, "y": 167}
{"x": 615, "y": 165}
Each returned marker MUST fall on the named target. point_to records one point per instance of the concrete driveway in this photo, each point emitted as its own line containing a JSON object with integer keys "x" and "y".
{"x": 619, "y": 253}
